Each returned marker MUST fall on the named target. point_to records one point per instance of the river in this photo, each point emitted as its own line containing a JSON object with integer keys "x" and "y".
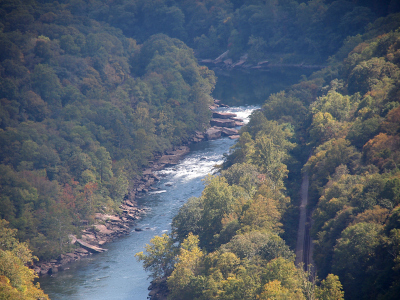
{"x": 116, "y": 274}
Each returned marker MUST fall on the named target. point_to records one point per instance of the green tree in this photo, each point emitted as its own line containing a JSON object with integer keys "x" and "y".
{"x": 218, "y": 201}
{"x": 338, "y": 106}
{"x": 324, "y": 127}
{"x": 67, "y": 43}
{"x": 283, "y": 106}
{"x": 103, "y": 164}
{"x": 274, "y": 290}
{"x": 269, "y": 159}
{"x": 188, "y": 219}
{"x": 244, "y": 175}
{"x": 367, "y": 74}
{"x": 160, "y": 257}
{"x": 330, "y": 289}
{"x": 354, "y": 254}
{"x": 47, "y": 84}
{"x": 188, "y": 266}
{"x": 36, "y": 107}
{"x": 289, "y": 277}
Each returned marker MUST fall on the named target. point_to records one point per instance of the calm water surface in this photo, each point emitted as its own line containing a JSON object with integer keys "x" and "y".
{"x": 116, "y": 274}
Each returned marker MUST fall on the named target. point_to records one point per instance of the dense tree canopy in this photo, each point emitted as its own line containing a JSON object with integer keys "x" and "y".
{"x": 82, "y": 110}
{"x": 91, "y": 91}
{"x": 341, "y": 126}
{"x": 272, "y": 30}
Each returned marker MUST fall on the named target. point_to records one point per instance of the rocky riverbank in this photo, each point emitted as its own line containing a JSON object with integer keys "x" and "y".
{"x": 109, "y": 227}
{"x": 106, "y": 229}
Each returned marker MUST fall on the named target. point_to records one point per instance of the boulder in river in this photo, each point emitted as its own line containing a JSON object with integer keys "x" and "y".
{"x": 173, "y": 157}
{"x": 213, "y": 133}
{"x": 223, "y": 123}
{"x": 229, "y": 131}
{"x": 44, "y": 270}
{"x": 223, "y": 115}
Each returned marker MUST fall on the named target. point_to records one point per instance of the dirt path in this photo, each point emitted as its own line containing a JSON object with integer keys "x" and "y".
{"x": 303, "y": 244}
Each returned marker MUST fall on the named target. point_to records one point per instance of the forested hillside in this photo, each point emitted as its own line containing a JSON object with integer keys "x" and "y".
{"x": 341, "y": 127}
{"x": 355, "y": 174}
{"x": 286, "y": 30}
{"x": 83, "y": 109}
{"x": 91, "y": 91}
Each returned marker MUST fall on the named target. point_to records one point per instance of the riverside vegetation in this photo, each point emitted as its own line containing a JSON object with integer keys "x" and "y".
{"x": 233, "y": 241}
{"x": 91, "y": 91}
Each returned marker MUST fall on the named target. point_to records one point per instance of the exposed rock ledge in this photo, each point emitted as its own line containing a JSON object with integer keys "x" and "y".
{"x": 223, "y": 115}
{"x": 223, "y": 123}
{"x": 110, "y": 227}
{"x": 90, "y": 247}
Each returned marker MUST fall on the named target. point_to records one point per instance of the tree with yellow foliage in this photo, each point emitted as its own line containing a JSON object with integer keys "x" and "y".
{"x": 16, "y": 279}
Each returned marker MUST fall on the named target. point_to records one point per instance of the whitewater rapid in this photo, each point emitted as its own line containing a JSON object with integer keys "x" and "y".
{"x": 116, "y": 274}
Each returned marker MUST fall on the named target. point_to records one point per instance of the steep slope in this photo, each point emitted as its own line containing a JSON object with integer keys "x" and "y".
{"x": 83, "y": 109}
{"x": 347, "y": 117}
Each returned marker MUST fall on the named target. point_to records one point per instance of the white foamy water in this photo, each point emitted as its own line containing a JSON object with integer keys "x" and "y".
{"x": 192, "y": 167}
{"x": 116, "y": 274}
{"x": 198, "y": 166}
{"x": 242, "y": 112}
{"x": 157, "y": 192}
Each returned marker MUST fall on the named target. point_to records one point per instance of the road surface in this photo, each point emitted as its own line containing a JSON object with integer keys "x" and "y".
{"x": 304, "y": 247}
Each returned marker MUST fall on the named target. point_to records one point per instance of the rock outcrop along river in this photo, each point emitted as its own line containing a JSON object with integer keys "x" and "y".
{"x": 116, "y": 274}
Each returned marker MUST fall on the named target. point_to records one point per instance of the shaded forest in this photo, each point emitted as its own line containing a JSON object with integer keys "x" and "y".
{"x": 90, "y": 91}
